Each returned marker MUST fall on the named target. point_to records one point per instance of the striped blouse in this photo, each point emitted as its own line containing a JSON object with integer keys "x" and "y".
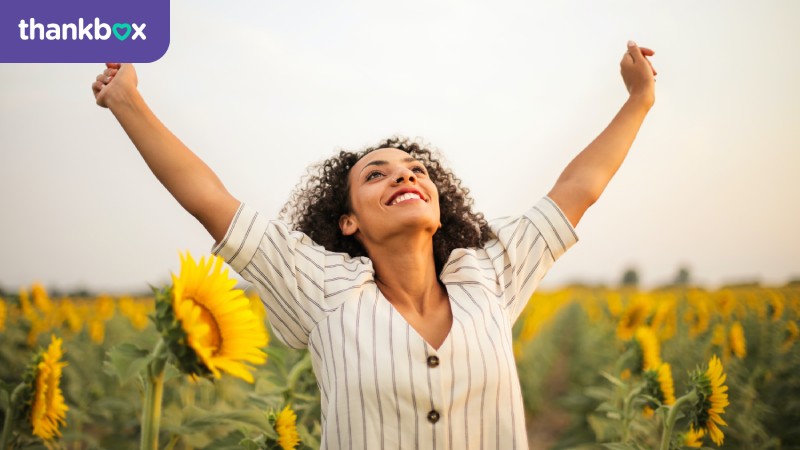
{"x": 382, "y": 385}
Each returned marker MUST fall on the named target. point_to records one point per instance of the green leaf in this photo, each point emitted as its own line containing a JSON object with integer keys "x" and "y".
{"x": 249, "y": 444}
{"x": 5, "y": 394}
{"x": 7, "y": 387}
{"x": 171, "y": 372}
{"x": 276, "y": 356}
{"x": 126, "y": 361}
{"x": 231, "y": 441}
{"x": 619, "y": 446}
{"x": 607, "y": 407}
{"x": 307, "y": 439}
{"x": 267, "y": 386}
{"x": 603, "y": 428}
{"x": 598, "y": 393}
{"x": 258, "y": 443}
{"x": 196, "y": 420}
{"x": 614, "y": 380}
{"x": 298, "y": 369}
{"x": 304, "y": 397}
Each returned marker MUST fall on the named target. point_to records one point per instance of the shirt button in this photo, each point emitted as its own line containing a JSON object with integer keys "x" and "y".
{"x": 433, "y": 361}
{"x": 433, "y": 416}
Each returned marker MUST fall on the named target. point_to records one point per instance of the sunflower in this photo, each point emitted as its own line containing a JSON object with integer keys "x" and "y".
{"x": 97, "y": 330}
{"x": 737, "y": 341}
{"x": 614, "y": 303}
{"x": 693, "y": 438}
{"x": 791, "y": 334}
{"x": 135, "y": 311}
{"x": 41, "y": 299}
{"x": 659, "y": 385}
{"x": 36, "y": 323}
{"x": 104, "y": 308}
{"x": 662, "y": 382}
{"x": 665, "y": 318}
{"x": 3, "y": 314}
{"x": 540, "y": 314}
{"x": 725, "y": 303}
{"x": 216, "y": 321}
{"x": 650, "y": 350}
{"x": 698, "y": 313}
{"x": 257, "y": 305}
{"x": 719, "y": 337}
{"x": 776, "y": 304}
{"x": 285, "y": 423}
{"x": 47, "y": 407}
{"x": 67, "y": 312}
{"x": 633, "y": 317}
{"x": 712, "y": 398}
{"x": 25, "y": 305}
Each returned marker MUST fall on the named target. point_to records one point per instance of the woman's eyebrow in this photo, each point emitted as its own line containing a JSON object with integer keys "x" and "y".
{"x": 380, "y": 162}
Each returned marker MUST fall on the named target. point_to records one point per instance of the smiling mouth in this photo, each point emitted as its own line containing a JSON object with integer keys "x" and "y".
{"x": 405, "y": 197}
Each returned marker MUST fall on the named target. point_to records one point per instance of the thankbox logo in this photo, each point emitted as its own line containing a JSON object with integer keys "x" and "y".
{"x": 91, "y": 31}
{"x": 31, "y": 30}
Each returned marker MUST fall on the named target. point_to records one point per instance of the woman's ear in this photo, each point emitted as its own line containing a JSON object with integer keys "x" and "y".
{"x": 348, "y": 224}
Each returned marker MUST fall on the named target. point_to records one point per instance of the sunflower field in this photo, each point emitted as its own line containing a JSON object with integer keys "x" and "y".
{"x": 192, "y": 365}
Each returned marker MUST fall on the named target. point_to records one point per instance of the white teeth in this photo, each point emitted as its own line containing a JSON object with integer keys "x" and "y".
{"x": 404, "y": 197}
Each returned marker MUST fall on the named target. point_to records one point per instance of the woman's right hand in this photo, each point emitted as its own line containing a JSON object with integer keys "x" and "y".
{"x": 638, "y": 73}
{"x": 116, "y": 80}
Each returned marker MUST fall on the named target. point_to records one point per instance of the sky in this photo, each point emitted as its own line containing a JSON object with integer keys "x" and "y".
{"x": 508, "y": 91}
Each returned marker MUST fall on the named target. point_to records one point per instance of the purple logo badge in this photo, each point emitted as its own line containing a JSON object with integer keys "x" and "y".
{"x": 90, "y": 31}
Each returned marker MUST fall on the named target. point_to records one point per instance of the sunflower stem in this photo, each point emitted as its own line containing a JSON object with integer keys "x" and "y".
{"x": 8, "y": 424}
{"x": 672, "y": 417}
{"x": 154, "y": 391}
{"x": 172, "y": 441}
{"x": 626, "y": 411}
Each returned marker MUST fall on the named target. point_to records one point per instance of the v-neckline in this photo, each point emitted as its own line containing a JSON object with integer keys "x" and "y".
{"x": 428, "y": 345}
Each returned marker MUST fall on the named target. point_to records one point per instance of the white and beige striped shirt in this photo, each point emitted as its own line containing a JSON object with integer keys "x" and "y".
{"x": 383, "y": 386}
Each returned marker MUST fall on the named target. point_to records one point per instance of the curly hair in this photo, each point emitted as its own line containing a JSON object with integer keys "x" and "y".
{"x": 323, "y": 196}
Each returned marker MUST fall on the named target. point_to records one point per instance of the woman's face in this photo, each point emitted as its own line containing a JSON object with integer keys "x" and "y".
{"x": 390, "y": 194}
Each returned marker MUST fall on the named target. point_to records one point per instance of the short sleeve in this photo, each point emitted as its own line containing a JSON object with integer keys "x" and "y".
{"x": 525, "y": 249}
{"x": 298, "y": 280}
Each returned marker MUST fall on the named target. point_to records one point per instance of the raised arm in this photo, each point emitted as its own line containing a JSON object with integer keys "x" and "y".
{"x": 193, "y": 184}
{"x": 585, "y": 178}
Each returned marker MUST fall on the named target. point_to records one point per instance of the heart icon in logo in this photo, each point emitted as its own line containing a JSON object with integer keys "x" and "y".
{"x": 121, "y": 26}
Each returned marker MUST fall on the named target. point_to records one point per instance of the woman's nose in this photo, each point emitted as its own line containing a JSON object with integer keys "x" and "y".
{"x": 405, "y": 174}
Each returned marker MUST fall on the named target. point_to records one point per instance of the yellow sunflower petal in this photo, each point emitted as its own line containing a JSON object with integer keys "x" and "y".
{"x": 48, "y": 410}
{"x": 286, "y": 426}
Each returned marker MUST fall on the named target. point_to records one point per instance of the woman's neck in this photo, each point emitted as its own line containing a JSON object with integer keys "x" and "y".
{"x": 405, "y": 271}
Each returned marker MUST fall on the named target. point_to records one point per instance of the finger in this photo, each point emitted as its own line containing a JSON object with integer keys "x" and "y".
{"x": 636, "y": 54}
{"x": 97, "y": 86}
{"x": 103, "y": 78}
{"x": 628, "y": 58}
{"x": 646, "y": 51}
{"x": 651, "y": 66}
{"x": 110, "y": 72}
{"x": 634, "y": 51}
{"x": 113, "y": 65}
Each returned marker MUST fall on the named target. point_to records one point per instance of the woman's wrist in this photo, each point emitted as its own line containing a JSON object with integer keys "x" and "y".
{"x": 642, "y": 99}
{"x": 122, "y": 99}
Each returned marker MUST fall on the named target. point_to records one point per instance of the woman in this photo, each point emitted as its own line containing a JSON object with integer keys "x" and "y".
{"x": 405, "y": 297}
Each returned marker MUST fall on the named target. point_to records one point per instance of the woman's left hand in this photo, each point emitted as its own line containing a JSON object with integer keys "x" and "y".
{"x": 637, "y": 71}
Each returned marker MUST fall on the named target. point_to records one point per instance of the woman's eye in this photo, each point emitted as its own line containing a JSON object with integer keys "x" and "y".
{"x": 418, "y": 169}
{"x": 373, "y": 175}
